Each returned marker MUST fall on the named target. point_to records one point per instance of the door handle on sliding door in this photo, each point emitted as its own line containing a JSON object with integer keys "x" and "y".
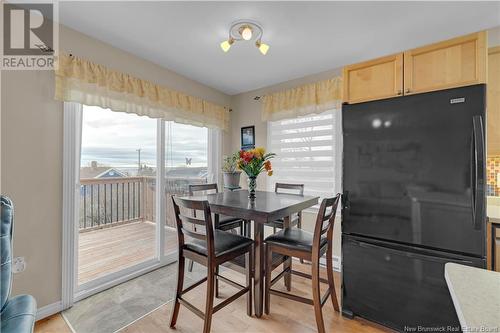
{"x": 478, "y": 184}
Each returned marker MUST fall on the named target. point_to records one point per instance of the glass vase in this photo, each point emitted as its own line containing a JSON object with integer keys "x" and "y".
{"x": 252, "y": 184}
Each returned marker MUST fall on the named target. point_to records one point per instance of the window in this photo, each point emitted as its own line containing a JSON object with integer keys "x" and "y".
{"x": 308, "y": 151}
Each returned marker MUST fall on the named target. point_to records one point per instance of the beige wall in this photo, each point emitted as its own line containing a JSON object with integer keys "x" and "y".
{"x": 494, "y": 37}
{"x": 32, "y": 177}
{"x": 31, "y": 155}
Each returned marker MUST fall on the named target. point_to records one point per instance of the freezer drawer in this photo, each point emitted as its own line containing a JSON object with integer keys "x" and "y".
{"x": 397, "y": 286}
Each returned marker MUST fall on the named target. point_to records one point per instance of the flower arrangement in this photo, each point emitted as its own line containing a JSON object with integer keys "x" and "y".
{"x": 253, "y": 162}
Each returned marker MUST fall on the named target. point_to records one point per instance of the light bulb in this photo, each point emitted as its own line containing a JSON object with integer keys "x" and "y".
{"x": 246, "y": 33}
{"x": 263, "y": 48}
{"x": 226, "y": 45}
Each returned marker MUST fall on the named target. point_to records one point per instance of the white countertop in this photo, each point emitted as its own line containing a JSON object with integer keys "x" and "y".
{"x": 476, "y": 296}
{"x": 493, "y": 209}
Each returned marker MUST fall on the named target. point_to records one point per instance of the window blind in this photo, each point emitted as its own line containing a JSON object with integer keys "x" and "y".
{"x": 308, "y": 152}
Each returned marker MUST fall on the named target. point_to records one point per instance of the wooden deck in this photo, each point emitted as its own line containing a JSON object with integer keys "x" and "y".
{"x": 109, "y": 250}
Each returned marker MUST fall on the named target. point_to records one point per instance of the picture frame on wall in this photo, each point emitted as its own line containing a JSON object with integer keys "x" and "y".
{"x": 247, "y": 137}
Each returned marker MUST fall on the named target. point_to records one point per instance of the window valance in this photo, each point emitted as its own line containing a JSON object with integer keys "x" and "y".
{"x": 311, "y": 98}
{"x": 78, "y": 80}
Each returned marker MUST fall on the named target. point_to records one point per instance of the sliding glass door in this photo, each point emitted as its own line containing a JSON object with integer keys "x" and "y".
{"x": 117, "y": 225}
{"x": 130, "y": 166}
{"x": 186, "y": 162}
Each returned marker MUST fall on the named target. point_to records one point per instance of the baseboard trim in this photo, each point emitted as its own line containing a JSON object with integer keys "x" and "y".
{"x": 49, "y": 310}
{"x": 337, "y": 265}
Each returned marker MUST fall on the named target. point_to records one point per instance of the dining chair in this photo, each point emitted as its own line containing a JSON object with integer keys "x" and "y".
{"x": 307, "y": 246}
{"x": 288, "y": 188}
{"x": 222, "y": 222}
{"x": 210, "y": 248}
{"x": 297, "y": 219}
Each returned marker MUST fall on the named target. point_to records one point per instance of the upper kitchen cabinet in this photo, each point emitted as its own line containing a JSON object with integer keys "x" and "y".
{"x": 493, "y": 101}
{"x": 453, "y": 63}
{"x": 374, "y": 79}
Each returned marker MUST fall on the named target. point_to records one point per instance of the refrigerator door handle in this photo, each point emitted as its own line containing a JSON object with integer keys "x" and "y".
{"x": 473, "y": 174}
{"x": 478, "y": 173}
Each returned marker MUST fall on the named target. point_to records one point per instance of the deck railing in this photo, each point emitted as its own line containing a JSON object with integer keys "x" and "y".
{"x": 106, "y": 202}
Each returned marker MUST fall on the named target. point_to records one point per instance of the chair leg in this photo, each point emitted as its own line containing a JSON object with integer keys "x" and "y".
{"x": 331, "y": 282}
{"x": 299, "y": 225}
{"x": 217, "y": 283}
{"x": 209, "y": 306}
{"x": 180, "y": 283}
{"x": 242, "y": 229}
{"x": 316, "y": 293}
{"x": 274, "y": 230}
{"x": 190, "y": 265}
{"x": 288, "y": 276}
{"x": 249, "y": 273}
{"x": 268, "y": 267}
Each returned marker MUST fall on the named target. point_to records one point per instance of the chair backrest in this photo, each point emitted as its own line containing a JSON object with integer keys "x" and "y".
{"x": 202, "y": 188}
{"x": 290, "y": 187}
{"x": 193, "y": 188}
{"x": 7, "y": 219}
{"x": 326, "y": 220}
{"x": 185, "y": 223}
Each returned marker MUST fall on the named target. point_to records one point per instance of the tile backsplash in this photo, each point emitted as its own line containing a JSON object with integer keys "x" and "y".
{"x": 492, "y": 170}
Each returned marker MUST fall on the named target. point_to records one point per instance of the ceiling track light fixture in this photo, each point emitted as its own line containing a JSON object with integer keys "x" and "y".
{"x": 245, "y": 30}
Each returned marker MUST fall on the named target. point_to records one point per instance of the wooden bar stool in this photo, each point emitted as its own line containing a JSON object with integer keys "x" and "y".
{"x": 296, "y": 220}
{"x": 211, "y": 249}
{"x": 304, "y": 245}
{"x": 221, "y": 222}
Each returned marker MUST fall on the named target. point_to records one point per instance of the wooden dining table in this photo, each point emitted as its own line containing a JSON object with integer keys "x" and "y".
{"x": 266, "y": 207}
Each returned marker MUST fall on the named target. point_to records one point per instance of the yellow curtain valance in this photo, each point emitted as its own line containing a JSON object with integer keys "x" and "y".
{"x": 311, "y": 98}
{"x": 82, "y": 81}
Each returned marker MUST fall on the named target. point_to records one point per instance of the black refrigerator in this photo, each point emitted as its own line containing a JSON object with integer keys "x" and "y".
{"x": 414, "y": 199}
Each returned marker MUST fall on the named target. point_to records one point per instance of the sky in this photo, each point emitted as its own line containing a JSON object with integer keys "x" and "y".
{"x": 112, "y": 139}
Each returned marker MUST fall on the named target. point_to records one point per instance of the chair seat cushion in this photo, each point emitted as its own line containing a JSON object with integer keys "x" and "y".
{"x": 279, "y": 223}
{"x": 19, "y": 314}
{"x": 224, "y": 242}
{"x": 294, "y": 238}
{"x": 229, "y": 222}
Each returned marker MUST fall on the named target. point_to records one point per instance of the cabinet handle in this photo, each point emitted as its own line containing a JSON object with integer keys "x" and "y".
{"x": 407, "y": 90}
{"x": 400, "y": 92}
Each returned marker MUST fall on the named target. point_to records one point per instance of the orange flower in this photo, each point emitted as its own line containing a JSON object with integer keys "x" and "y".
{"x": 267, "y": 165}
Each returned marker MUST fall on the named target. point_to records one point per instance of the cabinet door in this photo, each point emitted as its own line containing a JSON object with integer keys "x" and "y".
{"x": 453, "y": 63}
{"x": 374, "y": 79}
{"x": 493, "y": 101}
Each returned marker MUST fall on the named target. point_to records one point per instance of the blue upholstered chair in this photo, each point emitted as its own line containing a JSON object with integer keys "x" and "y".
{"x": 17, "y": 313}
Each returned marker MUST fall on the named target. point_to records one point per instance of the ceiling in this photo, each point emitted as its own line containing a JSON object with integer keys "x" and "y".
{"x": 305, "y": 37}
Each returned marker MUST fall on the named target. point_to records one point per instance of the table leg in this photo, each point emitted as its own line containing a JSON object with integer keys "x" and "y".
{"x": 288, "y": 263}
{"x": 259, "y": 268}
